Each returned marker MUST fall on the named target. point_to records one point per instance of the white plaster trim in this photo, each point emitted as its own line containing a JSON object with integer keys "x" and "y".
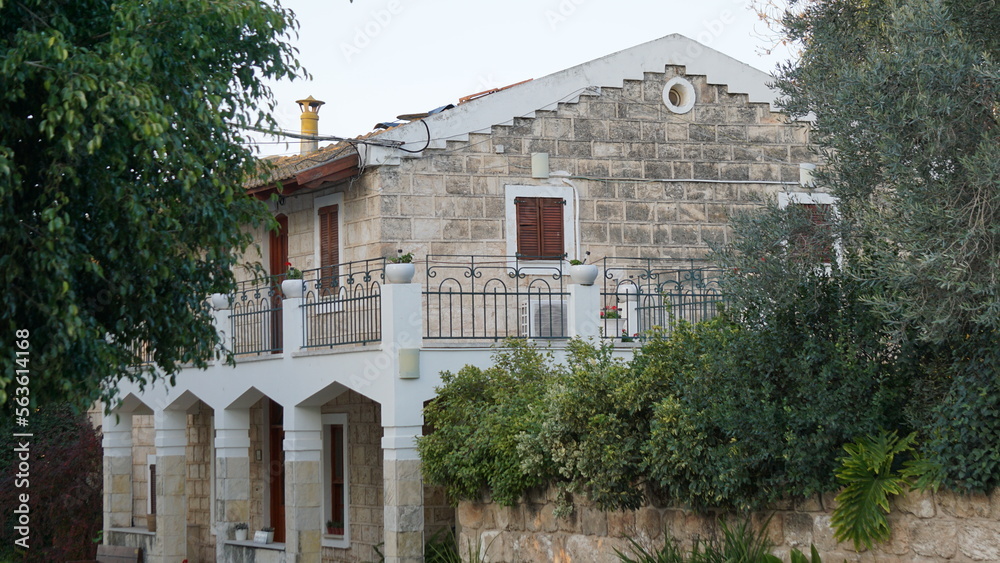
{"x": 332, "y": 199}
{"x": 568, "y": 85}
{"x": 686, "y": 92}
{"x": 806, "y": 198}
{"x": 566, "y": 193}
{"x": 328, "y": 421}
{"x": 211, "y": 474}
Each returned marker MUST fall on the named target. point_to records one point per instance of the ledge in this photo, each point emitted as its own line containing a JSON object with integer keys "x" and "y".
{"x": 273, "y": 546}
{"x": 137, "y": 531}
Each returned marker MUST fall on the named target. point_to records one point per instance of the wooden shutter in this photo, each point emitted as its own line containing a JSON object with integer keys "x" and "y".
{"x": 550, "y": 209}
{"x": 540, "y": 227}
{"x": 329, "y": 238}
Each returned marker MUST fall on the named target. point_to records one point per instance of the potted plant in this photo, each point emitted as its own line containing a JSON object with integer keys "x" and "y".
{"x": 401, "y": 269}
{"x": 293, "y": 286}
{"x": 334, "y": 528}
{"x": 268, "y": 533}
{"x": 582, "y": 273}
{"x": 240, "y": 529}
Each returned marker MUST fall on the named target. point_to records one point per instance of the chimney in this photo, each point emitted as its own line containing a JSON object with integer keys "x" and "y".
{"x": 310, "y": 123}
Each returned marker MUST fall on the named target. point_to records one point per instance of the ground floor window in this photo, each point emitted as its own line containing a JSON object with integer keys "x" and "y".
{"x": 335, "y": 480}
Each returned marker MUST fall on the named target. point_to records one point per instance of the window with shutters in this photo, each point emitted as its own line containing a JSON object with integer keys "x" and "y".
{"x": 328, "y": 241}
{"x": 540, "y": 228}
{"x": 813, "y": 239}
{"x": 540, "y": 224}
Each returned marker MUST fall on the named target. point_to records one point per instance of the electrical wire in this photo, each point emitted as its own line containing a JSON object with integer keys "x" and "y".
{"x": 428, "y": 128}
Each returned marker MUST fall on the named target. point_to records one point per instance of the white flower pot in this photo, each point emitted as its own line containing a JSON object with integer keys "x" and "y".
{"x": 630, "y": 290}
{"x": 583, "y": 274}
{"x": 399, "y": 273}
{"x": 612, "y": 328}
{"x": 293, "y": 289}
{"x": 241, "y": 535}
{"x": 220, "y": 301}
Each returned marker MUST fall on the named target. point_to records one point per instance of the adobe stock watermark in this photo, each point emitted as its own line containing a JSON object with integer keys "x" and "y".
{"x": 712, "y": 30}
{"x": 377, "y": 23}
{"x": 562, "y": 12}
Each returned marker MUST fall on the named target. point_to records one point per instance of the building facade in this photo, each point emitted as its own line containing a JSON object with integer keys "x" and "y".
{"x": 632, "y": 163}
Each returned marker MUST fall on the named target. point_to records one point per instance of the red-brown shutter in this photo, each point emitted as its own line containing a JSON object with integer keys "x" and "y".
{"x": 539, "y": 227}
{"x": 329, "y": 239}
{"x": 528, "y": 227}
{"x": 551, "y": 213}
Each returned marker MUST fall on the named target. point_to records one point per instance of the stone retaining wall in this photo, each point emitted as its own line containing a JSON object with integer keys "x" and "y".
{"x": 926, "y": 528}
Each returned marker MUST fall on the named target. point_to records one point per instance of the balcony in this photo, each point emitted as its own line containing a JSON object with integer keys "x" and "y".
{"x": 468, "y": 300}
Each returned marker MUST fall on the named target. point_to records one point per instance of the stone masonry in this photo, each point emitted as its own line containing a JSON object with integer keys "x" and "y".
{"x": 926, "y": 528}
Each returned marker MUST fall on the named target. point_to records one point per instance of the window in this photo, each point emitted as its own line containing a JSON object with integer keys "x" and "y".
{"x": 150, "y": 484}
{"x": 336, "y": 506}
{"x": 813, "y": 240}
{"x": 327, "y": 240}
{"x": 540, "y": 222}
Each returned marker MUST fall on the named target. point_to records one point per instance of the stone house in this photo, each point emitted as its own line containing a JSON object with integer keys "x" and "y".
{"x": 637, "y": 158}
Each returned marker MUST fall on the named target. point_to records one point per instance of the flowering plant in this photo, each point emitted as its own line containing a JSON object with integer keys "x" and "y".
{"x": 627, "y": 338}
{"x": 293, "y": 273}
{"x": 402, "y": 258}
{"x": 612, "y": 312}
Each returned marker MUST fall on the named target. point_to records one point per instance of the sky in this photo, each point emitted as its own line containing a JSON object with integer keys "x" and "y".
{"x": 372, "y": 60}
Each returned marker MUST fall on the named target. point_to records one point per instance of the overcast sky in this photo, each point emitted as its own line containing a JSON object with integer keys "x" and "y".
{"x": 372, "y": 60}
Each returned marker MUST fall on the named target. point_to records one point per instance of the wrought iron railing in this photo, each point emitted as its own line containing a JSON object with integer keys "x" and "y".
{"x": 343, "y": 304}
{"x": 657, "y": 293}
{"x": 256, "y": 315}
{"x": 493, "y": 297}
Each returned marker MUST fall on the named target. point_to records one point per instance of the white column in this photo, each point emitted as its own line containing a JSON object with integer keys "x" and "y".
{"x": 293, "y": 336}
{"x": 303, "y": 484}
{"x": 232, "y": 473}
{"x": 402, "y": 327}
{"x": 117, "y": 443}
{"x": 584, "y": 311}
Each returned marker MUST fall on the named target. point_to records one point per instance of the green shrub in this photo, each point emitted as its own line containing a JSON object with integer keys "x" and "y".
{"x": 594, "y": 422}
{"x": 477, "y": 419}
{"x": 962, "y": 433}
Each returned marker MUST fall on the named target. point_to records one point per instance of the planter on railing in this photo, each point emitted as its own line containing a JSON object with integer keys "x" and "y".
{"x": 293, "y": 289}
{"x": 583, "y": 274}
{"x": 399, "y": 273}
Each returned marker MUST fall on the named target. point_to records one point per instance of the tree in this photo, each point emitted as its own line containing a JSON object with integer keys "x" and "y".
{"x": 63, "y": 486}
{"x": 121, "y": 166}
{"x": 906, "y": 97}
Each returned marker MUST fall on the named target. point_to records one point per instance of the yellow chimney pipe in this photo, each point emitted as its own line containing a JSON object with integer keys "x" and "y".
{"x": 309, "y": 123}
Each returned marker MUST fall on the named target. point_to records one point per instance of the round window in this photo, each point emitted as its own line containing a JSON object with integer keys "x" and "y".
{"x": 678, "y": 95}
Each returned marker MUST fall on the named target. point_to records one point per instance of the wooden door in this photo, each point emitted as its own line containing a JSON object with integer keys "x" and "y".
{"x": 278, "y": 250}
{"x": 276, "y": 469}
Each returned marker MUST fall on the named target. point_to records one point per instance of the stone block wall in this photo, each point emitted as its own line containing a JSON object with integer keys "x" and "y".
{"x": 199, "y": 452}
{"x": 258, "y": 468}
{"x": 143, "y": 445}
{"x": 628, "y": 157}
{"x": 926, "y": 528}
